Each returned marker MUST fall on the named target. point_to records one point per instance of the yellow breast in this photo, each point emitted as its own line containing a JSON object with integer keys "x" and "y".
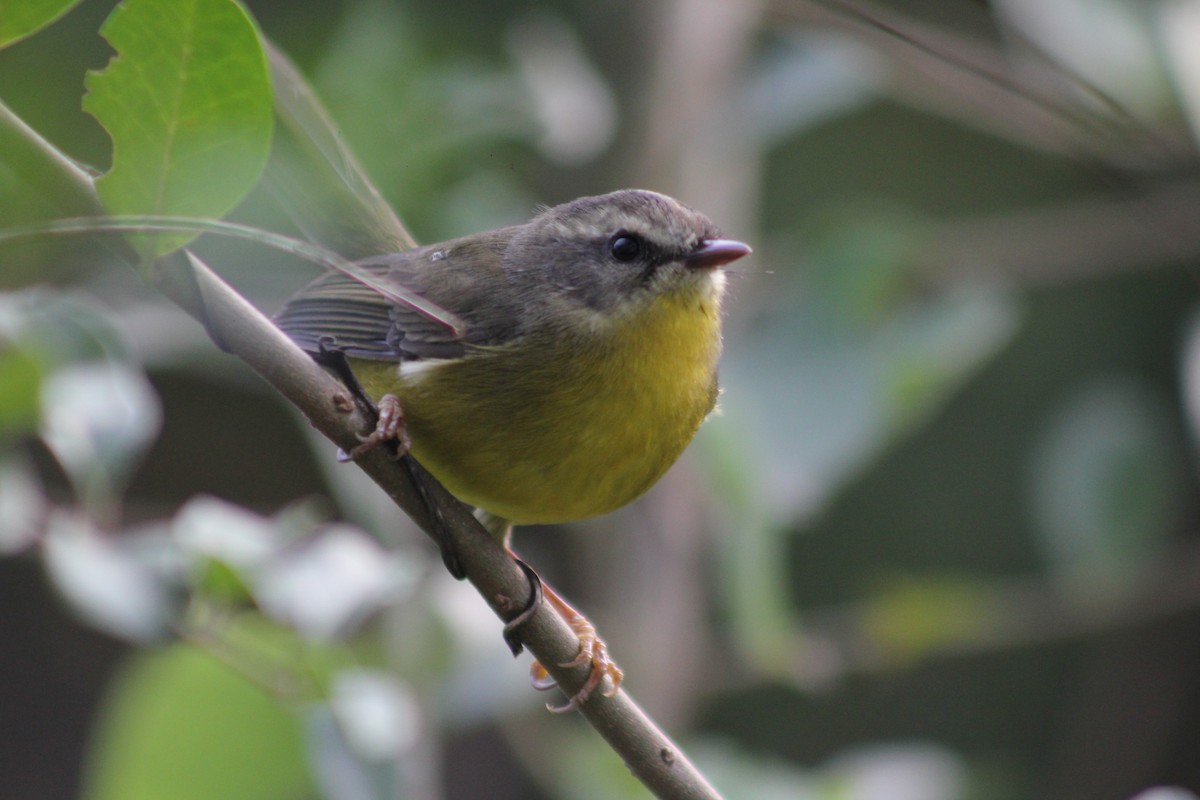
{"x": 557, "y": 428}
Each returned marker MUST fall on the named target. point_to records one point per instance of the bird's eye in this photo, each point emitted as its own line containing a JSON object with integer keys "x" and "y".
{"x": 625, "y": 247}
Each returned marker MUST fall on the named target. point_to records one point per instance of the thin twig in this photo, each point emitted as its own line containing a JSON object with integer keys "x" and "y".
{"x": 980, "y": 84}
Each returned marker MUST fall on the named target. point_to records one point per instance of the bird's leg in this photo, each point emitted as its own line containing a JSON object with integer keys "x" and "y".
{"x": 440, "y": 527}
{"x": 388, "y": 413}
{"x": 391, "y": 432}
{"x": 592, "y": 649}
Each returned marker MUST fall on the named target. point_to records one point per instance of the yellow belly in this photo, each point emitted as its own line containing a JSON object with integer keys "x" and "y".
{"x": 556, "y": 429}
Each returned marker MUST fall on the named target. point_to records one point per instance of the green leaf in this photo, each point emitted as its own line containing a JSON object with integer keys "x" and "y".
{"x": 22, "y": 18}
{"x": 180, "y": 725}
{"x": 187, "y": 102}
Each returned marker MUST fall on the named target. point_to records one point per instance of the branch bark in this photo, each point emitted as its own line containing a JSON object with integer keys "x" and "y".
{"x": 237, "y": 327}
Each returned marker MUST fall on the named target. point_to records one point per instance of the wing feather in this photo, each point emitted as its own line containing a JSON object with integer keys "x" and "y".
{"x": 462, "y": 277}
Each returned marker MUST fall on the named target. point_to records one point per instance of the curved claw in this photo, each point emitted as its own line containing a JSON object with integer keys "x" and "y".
{"x": 539, "y": 678}
{"x": 389, "y": 427}
{"x": 602, "y": 667}
{"x": 593, "y": 651}
{"x": 388, "y": 413}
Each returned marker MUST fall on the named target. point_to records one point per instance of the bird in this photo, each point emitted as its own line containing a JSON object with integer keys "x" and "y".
{"x": 543, "y": 372}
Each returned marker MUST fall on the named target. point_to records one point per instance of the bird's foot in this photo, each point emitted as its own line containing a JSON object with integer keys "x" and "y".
{"x": 389, "y": 430}
{"x": 593, "y": 652}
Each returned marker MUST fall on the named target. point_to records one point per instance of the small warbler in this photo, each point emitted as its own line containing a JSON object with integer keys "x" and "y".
{"x": 584, "y": 363}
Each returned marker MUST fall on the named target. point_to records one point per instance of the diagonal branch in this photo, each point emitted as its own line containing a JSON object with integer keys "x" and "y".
{"x": 239, "y": 328}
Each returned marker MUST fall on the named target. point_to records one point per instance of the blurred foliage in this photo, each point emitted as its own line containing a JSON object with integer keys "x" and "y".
{"x": 238, "y": 743}
{"x": 939, "y": 542}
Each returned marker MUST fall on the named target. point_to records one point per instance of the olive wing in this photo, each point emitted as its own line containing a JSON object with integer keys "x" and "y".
{"x": 465, "y": 277}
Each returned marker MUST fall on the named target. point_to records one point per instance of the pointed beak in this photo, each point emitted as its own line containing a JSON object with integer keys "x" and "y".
{"x": 714, "y": 253}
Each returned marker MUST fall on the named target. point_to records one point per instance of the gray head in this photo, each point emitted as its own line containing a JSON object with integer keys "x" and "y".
{"x": 603, "y": 251}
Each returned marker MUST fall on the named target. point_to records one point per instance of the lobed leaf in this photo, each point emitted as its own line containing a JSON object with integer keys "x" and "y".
{"x": 187, "y": 102}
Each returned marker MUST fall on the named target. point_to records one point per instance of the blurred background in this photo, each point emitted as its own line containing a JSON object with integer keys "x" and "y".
{"x": 939, "y": 543}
